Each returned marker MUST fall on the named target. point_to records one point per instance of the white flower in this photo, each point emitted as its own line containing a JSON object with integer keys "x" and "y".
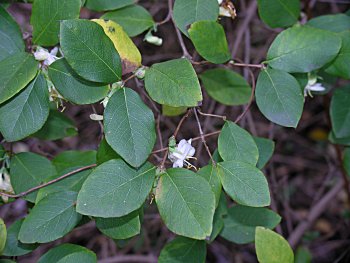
{"x": 182, "y": 152}
{"x": 42, "y": 54}
{"x": 220, "y": 2}
{"x": 313, "y": 86}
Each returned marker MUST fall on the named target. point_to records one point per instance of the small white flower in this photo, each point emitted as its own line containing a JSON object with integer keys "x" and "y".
{"x": 182, "y": 152}
{"x": 47, "y": 58}
{"x": 313, "y": 86}
{"x": 220, "y": 2}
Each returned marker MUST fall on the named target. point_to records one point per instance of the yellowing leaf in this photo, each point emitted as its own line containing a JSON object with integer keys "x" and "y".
{"x": 127, "y": 50}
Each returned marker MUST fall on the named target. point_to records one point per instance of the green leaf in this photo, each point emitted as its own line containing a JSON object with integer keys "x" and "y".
{"x": 335, "y": 23}
{"x": 279, "y": 97}
{"x": 218, "y": 222}
{"x": 266, "y": 148}
{"x": 26, "y": 113}
{"x": 186, "y": 203}
{"x": 120, "y": 227}
{"x": 170, "y": 111}
{"x": 173, "y": 83}
{"x": 134, "y": 19}
{"x": 279, "y": 13}
{"x": 68, "y": 253}
{"x": 241, "y": 221}
{"x": 72, "y": 87}
{"x": 341, "y": 141}
{"x": 188, "y": 11}
{"x": 237, "y": 144}
{"x": 340, "y": 112}
{"x": 46, "y": 18}
{"x": 104, "y": 5}
{"x": 105, "y": 152}
{"x": 58, "y": 126}
{"x": 10, "y": 36}
{"x": 66, "y": 162}
{"x": 346, "y": 160}
{"x": 226, "y": 86}
{"x": 129, "y": 126}
{"x": 183, "y": 249}
{"x": 271, "y": 247}
{"x": 209, "y": 39}
{"x": 29, "y": 170}
{"x": 129, "y": 53}
{"x": 16, "y": 72}
{"x": 89, "y": 51}
{"x": 114, "y": 189}
{"x": 302, "y": 255}
{"x": 14, "y": 247}
{"x": 294, "y": 49}
{"x": 51, "y": 218}
{"x": 210, "y": 174}
{"x": 3, "y": 235}
{"x": 244, "y": 183}
{"x": 339, "y": 66}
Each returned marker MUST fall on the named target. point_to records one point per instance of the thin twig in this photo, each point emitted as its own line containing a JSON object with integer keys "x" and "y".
{"x": 49, "y": 183}
{"x": 315, "y": 212}
{"x": 160, "y": 138}
{"x": 202, "y": 137}
{"x": 247, "y": 65}
{"x": 211, "y": 115}
{"x": 185, "y": 52}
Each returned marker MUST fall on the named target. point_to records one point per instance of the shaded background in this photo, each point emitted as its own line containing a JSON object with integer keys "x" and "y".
{"x": 301, "y": 172}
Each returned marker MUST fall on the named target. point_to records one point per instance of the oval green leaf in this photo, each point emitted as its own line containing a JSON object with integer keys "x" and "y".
{"x": 271, "y": 247}
{"x": 336, "y": 23}
{"x": 14, "y": 247}
{"x": 294, "y": 49}
{"x": 279, "y": 13}
{"x": 46, "y": 17}
{"x": 173, "y": 83}
{"x": 266, "y": 148}
{"x": 16, "y": 72}
{"x": 244, "y": 183}
{"x": 104, "y": 5}
{"x": 89, "y": 51}
{"x": 226, "y": 86}
{"x": 339, "y": 66}
{"x": 188, "y": 11}
{"x": 68, "y": 253}
{"x": 50, "y": 219}
{"x": 237, "y": 144}
{"x": 279, "y": 97}
{"x": 26, "y": 113}
{"x": 186, "y": 203}
{"x": 10, "y": 35}
{"x": 210, "y": 173}
{"x": 241, "y": 221}
{"x": 134, "y": 19}
{"x": 183, "y": 249}
{"x": 209, "y": 39}
{"x": 129, "y": 126}
{"x": 29, "y": 170}
{"x": 114, "y": 189}
{"x": 340, "y": 112}
{"x": 120, "y": 227}
{"x": 66, "y": 162}
{"x": 74, "y": 88}
{"x": 3, "y": 235}
{"x": 57, "y": 126}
